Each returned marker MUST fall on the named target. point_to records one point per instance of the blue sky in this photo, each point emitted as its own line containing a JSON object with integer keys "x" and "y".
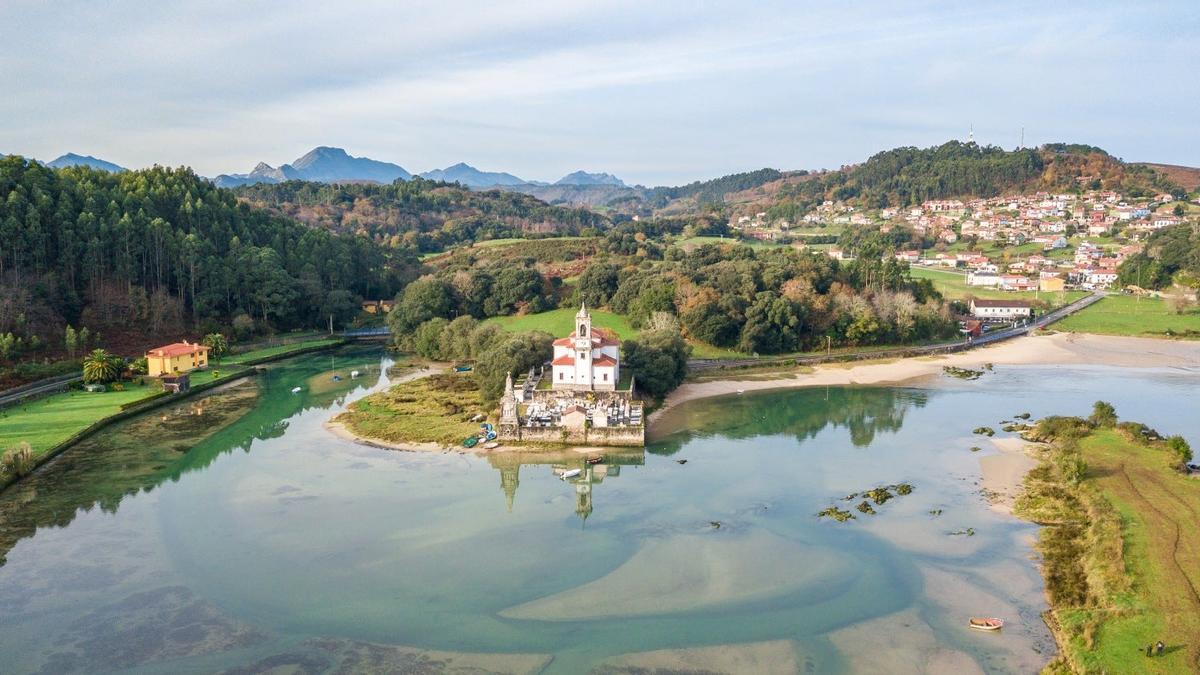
{"x": 657, "y": 93}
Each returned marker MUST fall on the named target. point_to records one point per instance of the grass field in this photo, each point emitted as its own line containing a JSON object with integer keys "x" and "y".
{"x": 1132, "y": 315}
{"x": 434, "y": 409}
{"x": 48, "y": 421}
{"x": 561, "y": 322}
{"x": 1159, "y": 509}
{"x": 953, "y": 285}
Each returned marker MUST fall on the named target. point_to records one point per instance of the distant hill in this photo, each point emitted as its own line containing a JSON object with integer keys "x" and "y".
{"x": 419, "y": 213}
{"x": 72, "y": 159}
{"x": 1186, "y": 176}
{"x": 472, "y": 177}
{"x": 904, "y": 176}
{"x": 584, "y": 195}
{"x": 322, "y": 164}
{"x": 585, "y": 178}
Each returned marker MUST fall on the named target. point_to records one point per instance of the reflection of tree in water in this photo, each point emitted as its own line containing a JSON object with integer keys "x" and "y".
{"x": 863, "y": 411}
{"x": 139, "y": 454}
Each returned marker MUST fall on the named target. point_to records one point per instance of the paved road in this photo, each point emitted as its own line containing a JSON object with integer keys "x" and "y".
{"x": 11, "y": 397}
{"x": 939, "y": 348}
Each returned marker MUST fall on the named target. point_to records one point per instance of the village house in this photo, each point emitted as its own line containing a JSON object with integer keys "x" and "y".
{"x": 979, "y": 278}
{"x": 175, "y": 359}
{"x": 1000, "y": 310}
{"x": 377, "y": 306}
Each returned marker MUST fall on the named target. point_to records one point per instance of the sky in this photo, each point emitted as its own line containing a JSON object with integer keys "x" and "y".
{"x": 658, "y": 93}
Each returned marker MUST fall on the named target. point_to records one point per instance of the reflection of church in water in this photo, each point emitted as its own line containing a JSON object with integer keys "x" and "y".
{"x": 582, "y": 484}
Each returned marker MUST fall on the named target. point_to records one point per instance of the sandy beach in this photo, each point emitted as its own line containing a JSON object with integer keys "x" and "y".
{"x": 1004, "y": 472}
{"x": 1053, "y": 349}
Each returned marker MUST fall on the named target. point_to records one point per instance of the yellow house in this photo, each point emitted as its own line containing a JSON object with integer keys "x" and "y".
{"x": 172, "y": 359}
{"x": 1048, "y": 284}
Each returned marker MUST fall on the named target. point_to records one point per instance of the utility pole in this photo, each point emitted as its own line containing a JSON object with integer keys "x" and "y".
{"x": 331, "y": 324}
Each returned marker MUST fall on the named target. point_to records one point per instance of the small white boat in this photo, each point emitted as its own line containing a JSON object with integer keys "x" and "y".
{"x": 571, "y": 474}
{"x": 296, "y": 390}
{"x": 741, "y": 391}
{"x": 491, "y": 446}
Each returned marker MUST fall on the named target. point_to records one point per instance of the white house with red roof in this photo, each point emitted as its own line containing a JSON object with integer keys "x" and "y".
{"x": 588, "y": 359}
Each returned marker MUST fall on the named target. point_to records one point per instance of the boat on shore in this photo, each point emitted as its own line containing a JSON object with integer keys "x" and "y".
{"x": 595, "y": 460}
{"x": 491, "y": 445}
{"x": 989, "y": 624}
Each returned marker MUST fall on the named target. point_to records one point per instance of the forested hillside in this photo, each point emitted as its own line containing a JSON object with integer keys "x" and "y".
{"x": 905, "y": 176}
{"x": 157, "y": 250}
{"x": 1172, "y": 255}
{"x": 421, "y": 214}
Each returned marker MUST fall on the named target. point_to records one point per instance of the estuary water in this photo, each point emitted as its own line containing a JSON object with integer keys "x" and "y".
{"x": 233, "y": 533}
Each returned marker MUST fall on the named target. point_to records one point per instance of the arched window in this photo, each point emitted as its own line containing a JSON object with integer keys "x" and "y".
{"x": 582, "y": 330}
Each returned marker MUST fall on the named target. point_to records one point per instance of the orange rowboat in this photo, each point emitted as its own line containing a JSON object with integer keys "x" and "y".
{"x": 987, "y": 624}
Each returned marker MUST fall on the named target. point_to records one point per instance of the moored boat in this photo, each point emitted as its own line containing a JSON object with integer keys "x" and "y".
{"x": 571, "y": 474}
{"x": 979, "y": 623}
{"x": 470, "y": 442}
{"x": 491, "y": 446}
{"x": 595, "y": 460}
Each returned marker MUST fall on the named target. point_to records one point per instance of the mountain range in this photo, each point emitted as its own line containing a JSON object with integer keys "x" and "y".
{"x": 322, "y": 164}
{"x": 334, "y": 165}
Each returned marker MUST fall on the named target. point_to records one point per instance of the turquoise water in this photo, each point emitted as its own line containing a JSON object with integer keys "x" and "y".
{"x": 234, "y": 532}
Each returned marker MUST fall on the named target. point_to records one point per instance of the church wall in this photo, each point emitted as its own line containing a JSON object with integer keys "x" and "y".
{"x": 603, "y": 436}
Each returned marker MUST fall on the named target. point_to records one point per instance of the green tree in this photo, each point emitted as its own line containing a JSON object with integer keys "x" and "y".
{"x": 243, "y": 326}
{"x": 217, "y": 345}
{"x": 99, "y": 367}
{"x": 427, "y": 338}
{"x": 598, "y": 283}
{"x": 71, "y": 341}
{"x": 456, "y": 338}
{"x": 658, "y": 361}
{"x": 515, "y": 354}
{"x": 708, "y": 323}
{"x": 1104, "y": 415}
{"x": 421, "y": 301}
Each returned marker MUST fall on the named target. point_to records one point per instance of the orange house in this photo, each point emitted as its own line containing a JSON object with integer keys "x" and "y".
{"x": 181, "y": 357}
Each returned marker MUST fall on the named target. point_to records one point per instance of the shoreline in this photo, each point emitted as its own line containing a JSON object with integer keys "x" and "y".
{"x": 1052, "y": 349}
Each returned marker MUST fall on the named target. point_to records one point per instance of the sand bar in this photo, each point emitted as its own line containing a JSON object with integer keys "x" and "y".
{"x": 1053, "y": 349}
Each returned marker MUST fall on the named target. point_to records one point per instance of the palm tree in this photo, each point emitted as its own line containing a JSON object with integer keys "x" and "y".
{"x": 217, "y": 345}
{"x": 100, "y": 367}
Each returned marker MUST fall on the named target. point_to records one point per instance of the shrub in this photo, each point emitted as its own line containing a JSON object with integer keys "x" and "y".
{"x": 1179, "y": 446}
{"x": 1104, "y": 415}
{"x": 18, "y": 461}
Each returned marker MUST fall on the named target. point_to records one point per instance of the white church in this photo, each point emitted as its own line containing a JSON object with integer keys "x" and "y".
{"x": 587, "y": 360}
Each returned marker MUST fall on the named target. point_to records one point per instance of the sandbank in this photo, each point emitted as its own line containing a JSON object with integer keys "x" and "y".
{"x": 1052, "y": 349}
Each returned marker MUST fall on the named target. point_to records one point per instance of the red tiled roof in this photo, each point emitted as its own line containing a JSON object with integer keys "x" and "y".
{"x": 177, "y": 349}
{"x": 563, "y": 361}
{"x": 604, "y": 360}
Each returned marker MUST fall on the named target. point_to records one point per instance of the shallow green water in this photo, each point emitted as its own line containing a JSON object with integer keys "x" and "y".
{"x": 234, "y": 532}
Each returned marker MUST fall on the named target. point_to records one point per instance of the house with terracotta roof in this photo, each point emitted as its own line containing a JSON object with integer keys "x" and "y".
{"x": 176, "y": 358}
{"x": 589, "y": 359}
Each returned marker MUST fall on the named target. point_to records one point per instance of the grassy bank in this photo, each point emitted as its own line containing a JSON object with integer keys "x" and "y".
{"x": 1132, "y": 315}
{"x": 279, "y": 351}
{"x": 434, "y": 409}
{"x": 1121, "y": 553}
{"x": 51, "y": 423}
